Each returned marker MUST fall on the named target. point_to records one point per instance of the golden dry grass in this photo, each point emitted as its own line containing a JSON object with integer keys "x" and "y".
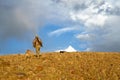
{"x": 61, "y": 66}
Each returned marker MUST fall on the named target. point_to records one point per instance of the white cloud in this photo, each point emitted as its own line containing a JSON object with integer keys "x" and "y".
{"x": 88, "y": 49}
{"x": 101, "y": 21}
{"x": 105, "y": 38}
{"x": 79, "y": 16}
{"x": 90, "y": 16}
{"x": 62, "y": 30}
{"x": 83, "y": 37}
{"x": 96, "y": 20}
{"x": 89, "y": 37}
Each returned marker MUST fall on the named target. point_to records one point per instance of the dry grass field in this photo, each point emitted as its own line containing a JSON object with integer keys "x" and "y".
{"x": 61, "y": 66}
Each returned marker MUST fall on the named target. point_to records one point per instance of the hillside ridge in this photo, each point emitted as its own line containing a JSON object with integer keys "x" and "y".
{"x": 61, "y": 66}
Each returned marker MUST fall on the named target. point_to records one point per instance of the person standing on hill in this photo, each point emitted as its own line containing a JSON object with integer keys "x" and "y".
{"x": 37, "y": 44}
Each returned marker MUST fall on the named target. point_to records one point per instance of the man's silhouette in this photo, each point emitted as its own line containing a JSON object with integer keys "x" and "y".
{"x": 37, "y": 44}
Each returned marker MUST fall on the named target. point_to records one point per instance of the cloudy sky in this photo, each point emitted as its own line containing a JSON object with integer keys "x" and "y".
{"x": 87, "y": 25}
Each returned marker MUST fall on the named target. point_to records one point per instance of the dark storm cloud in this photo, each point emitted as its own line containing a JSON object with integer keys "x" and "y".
{"x": 22, "y": 17}
{"x": 12, "y": 20}
{"x": 78, "y": 7}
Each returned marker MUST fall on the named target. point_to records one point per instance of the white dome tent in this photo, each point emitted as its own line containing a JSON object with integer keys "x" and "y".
{"x": 68, "y": 49}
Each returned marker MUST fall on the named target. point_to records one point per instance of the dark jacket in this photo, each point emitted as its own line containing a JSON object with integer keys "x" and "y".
{"x": 37, "y": 40}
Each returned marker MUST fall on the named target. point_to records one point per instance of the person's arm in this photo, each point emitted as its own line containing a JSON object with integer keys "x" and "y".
{"x": 34, "y": 42}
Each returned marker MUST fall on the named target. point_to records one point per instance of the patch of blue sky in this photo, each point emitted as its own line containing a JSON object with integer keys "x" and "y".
{"x": 52, "y": 43}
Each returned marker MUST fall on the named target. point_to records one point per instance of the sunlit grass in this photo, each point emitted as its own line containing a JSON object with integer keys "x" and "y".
{"x": 61, "y": 66}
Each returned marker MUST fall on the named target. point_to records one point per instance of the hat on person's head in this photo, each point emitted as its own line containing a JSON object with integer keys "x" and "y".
{"x": 36, "y": 35}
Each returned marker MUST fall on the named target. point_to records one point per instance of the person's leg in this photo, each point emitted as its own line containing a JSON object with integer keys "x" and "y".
{"x": 38, "y": 51}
